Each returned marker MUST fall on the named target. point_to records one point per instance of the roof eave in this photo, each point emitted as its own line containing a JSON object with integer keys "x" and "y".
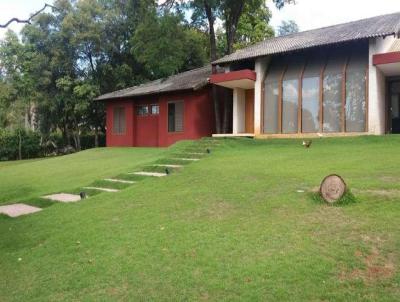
{"x": 227, "y": 61}
{"x": 194, "y": 88}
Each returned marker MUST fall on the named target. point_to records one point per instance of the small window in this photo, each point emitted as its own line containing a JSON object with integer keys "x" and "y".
{"x": 155, "y": 109}
{"x": 119, "y": 120}
{"x": 142, "y": 110}
{"x": 175, "y": 116}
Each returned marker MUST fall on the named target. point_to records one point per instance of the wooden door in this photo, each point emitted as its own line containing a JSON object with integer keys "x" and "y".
{"x": 249, "y": 111}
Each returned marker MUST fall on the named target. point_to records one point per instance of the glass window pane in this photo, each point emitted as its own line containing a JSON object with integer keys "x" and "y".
{"x": 290, "y": 94}
{"x": 171, "y": 117}
{"x": 119, "y": 120}
{"x": 175, "y": 116}
{"x": 155, "y": 109}
{"x": 310, "y": 105}
{"x": 178, "y": 116}
{"x": 271, "y": 95}
{"x": 271, "y": 107}
{"x": 142, "y": 110}
{"x": 290, "y": 101}
{"x": 311, "y": 93}
{"x": 356, "y": 93}
{"x": 332, "y": 100}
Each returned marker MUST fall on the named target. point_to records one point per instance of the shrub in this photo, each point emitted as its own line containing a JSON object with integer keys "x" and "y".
{"x": 33, "y": 146}
{"x": 9, "y": 144}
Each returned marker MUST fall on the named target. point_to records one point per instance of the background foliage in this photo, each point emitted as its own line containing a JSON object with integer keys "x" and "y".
{"x": 76, "y": 50}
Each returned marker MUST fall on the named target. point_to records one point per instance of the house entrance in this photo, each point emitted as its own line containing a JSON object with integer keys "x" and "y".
{"x": 394, "y": 98}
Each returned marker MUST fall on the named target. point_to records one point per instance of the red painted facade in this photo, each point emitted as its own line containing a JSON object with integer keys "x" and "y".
{"x": 233, "y": 76}
{"x": 386, "y": 58}
{"x": 152, "y": 130}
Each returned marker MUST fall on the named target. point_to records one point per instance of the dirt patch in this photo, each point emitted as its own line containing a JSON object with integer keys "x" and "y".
{"x": 382, "y": 192}
{"x": 218, "y": 210}
{"x": 390, "y": 179}
{"x": 377, "y": 267}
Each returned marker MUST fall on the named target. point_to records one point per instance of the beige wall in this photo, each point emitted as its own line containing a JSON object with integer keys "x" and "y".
{"x": 377, "y": 87}
{"x": 260, "y": 68}
{"x": 239, "y": 109}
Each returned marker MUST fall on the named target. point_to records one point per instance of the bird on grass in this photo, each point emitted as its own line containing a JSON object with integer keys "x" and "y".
{"x": 307, "y": 143}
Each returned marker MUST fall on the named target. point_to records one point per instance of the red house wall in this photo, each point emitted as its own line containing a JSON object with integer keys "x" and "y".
{"x": 146, "y": 131}
{"x": 126, "y": 139}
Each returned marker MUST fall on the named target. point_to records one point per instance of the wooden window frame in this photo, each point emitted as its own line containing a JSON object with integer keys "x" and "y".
{"x": 183, "y": 116}
{"x": 321, "y": 99}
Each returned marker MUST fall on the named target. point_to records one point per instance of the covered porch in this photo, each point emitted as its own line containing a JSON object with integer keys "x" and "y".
{"x": 242, "y": 83}
{"x": 388, "y": 63}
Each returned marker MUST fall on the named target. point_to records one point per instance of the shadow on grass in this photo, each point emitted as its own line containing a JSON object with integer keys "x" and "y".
{"x": 347, "y": 199}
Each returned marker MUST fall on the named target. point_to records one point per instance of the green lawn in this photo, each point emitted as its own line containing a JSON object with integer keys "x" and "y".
{"x": 227, "y": 228}
{"x": 31, "y": 178}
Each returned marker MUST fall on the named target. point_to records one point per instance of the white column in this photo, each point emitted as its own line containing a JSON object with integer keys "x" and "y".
{"x": 260, "y": 69}
{"x": 239, "y": 107}
{"x": 377, "y": 87}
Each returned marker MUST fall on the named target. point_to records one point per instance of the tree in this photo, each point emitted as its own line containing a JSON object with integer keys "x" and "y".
{"x": 253, "y": 25}
{"x": 287, "y": 28}
{"x": 165, "y": 45}
{"x": 205, "y": 13}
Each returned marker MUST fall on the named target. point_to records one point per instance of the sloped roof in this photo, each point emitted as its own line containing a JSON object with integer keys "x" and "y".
{"x": 190, "y": 80}
{"x": 379, "y": 26}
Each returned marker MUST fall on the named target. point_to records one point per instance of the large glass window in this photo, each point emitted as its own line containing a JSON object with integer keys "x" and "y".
{"x": 332, "y": 100}
{"x": 119, "y": 120}
{"x": 290, "y": 95}
{"x": 356, "y": 93}
{"x": 175, "y": 116}
{"x": 271, "y": 98}
{"x": 311, "y": 94}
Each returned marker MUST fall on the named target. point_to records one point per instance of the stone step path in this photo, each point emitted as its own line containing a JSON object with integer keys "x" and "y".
{"x": 168, "y": 166}
{"x": 102, "y": 189}
{"x": 122, "y": 181}
{"x": 18, "y": 209}
{"x": 144, "y": 173}
{"x": 63, "y": 197}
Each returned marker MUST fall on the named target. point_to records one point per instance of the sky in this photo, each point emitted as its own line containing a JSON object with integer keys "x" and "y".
{"x": 308, "y": 14}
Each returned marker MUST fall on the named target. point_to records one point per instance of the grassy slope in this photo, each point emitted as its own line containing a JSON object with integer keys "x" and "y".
{"x": 26, "y": 179}
{"x": 230, "y": 227}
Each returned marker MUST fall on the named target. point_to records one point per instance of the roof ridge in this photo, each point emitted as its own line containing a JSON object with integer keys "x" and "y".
{"x": 158, "y": 80}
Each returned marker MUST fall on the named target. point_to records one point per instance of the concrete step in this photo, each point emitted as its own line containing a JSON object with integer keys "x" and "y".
{"x": 154, "y": 174}
{"x": 186, "y": 159}
{"x": 168, "y": 166}
{"x": 122, "y": 181}
{"x": 63, "y": 197}
{"x": 18, "y": 209}
{"x": 102, "y": 189}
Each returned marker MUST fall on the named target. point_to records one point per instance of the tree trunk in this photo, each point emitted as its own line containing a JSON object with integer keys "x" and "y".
{"x": 19, "y": 144}
{"x": 213, "y": 57}
{"x": 96, "y": 137}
